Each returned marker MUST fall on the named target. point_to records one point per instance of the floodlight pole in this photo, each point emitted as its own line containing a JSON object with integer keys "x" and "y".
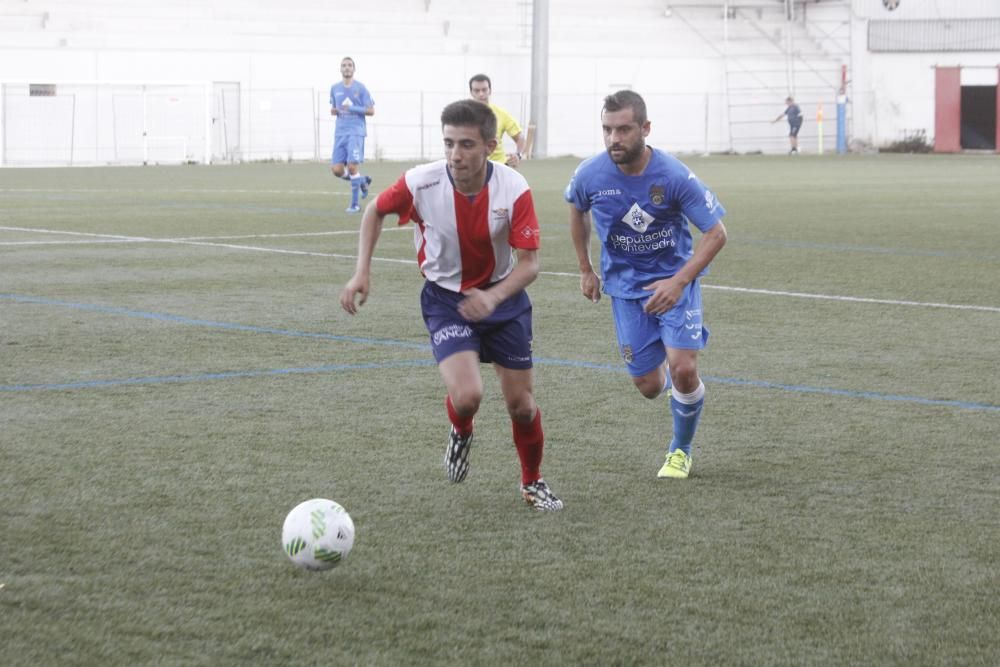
{"x": 3, "y": 129}
{"x": 789, "y": 67}
{"x": 540, "y": 76}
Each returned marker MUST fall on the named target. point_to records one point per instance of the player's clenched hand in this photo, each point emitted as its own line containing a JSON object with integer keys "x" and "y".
{"x": 666, "y": 293}
{"x": 477, "y": 305}
{"x": 355, "y": 285}
{"x": 590, "y": 285}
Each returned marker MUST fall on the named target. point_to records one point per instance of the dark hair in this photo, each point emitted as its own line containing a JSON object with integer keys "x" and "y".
{"x": 348, "y": 58}
{"x": 624, "y": 99}
{"x": 471, "y": 113}
{"x": 481, "y": 77}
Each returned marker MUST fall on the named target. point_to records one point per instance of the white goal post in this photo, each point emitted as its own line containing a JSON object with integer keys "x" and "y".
{"x": 70, "y": 123}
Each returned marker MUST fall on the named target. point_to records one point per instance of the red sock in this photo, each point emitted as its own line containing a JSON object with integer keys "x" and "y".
{"x": 463, "y": 425}
{"x": 529, "y": 441}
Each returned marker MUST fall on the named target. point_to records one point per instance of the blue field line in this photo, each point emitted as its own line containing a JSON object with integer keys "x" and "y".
{"x": 202, "y": 377}
{"x": 879, "y": 250}
{"x": 541, "y": 361}
{"x": 801, "y": 389}
{"x": 851, "y": 393}
{"x": 230, "y": 326}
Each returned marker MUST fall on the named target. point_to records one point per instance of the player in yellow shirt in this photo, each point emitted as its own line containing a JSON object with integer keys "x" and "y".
{"x": 480, "y": 87}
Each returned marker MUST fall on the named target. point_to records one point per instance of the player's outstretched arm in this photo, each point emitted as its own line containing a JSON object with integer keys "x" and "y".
{"x": 579, "y": 229}
{"x": 360, "y": 283}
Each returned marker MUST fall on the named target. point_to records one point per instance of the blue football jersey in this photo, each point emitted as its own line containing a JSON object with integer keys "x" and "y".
{"x": 794, "y": 113}
{"x": 642, "y": 221}
{"x": 350, "y": 104}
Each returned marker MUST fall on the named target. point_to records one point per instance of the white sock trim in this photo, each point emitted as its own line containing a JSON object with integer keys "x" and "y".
{"x": 693, "y": 397}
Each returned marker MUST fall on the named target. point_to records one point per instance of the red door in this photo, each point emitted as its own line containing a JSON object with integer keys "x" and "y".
{"x": 947, "y": 110}
{"x": 998, "y": 109}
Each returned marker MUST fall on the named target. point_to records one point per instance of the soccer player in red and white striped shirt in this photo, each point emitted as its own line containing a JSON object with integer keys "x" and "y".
{"x": 471, "y": 218}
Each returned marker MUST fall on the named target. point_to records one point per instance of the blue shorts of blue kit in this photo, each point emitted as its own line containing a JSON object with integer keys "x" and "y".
{"x": 643, "y": 338}
{"x": 793, "y": 128}
{"x": 503, "y": 338}
{"x": 349, "y": 149}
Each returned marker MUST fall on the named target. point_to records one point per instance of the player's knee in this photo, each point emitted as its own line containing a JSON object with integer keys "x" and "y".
{"x": 522, "y": 408}
{"x": 648, "y": 386}
{"x": 338, "y": 170}
{"x": 685, "y": 376}
{"x": 467, "y": 400}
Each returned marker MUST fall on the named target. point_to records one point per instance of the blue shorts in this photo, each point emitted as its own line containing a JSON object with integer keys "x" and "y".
{"x": 503, "y": 338}
{"x": 793, "y": 128}
{"x": 348, "y": 150}
{"x": 643, "y": 339}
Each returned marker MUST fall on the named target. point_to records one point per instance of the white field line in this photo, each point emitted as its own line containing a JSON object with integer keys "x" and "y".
{"x": 746, "y": 290}
{"x": 87, "y": 242}
{"x": 833, "y": 297}
{"x": 185, "y": 238}
{"x": 268, "y": 236}
{"x": 207, "y": 191}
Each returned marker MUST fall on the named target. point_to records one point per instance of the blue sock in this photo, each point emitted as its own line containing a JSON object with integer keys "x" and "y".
{"x": 686, "y": 409}
{"x": 356, "y": 182}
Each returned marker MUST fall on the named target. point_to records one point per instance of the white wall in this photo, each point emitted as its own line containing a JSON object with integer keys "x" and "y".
{"x": 893, "y": 93}
{"x": 417, "y": 55}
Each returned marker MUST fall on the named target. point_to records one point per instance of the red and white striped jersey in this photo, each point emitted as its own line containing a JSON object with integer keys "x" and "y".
{"x": 461, "y": 241}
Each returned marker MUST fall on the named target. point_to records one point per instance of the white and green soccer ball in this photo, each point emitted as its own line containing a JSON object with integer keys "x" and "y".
{"x": 318, "y": 534}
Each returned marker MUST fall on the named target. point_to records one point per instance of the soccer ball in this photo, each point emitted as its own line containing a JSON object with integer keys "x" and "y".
{"x": 318, "y": 534}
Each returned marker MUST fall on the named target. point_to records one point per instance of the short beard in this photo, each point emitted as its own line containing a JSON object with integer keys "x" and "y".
{"x": 630, "y": 156}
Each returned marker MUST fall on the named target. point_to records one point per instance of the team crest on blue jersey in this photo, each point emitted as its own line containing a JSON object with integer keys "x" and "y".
{"x": 656, "y": 194}
{"x": 627, "y": 353}
{"x": 637, "y": 219}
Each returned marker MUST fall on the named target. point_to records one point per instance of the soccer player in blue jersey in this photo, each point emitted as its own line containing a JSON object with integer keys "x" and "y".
{"x": 794, "y": 115}
{"x": 642, "y": 202}
{"x": 350, "y": 102}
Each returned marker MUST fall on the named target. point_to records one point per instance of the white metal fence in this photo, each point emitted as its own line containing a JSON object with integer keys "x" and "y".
{"x": 129, "y": 123}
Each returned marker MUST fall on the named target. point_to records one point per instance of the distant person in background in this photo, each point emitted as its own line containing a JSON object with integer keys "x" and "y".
{"x": 794, "y": 114}
{"x": 350, "y": 102}
{"x": 643, "y": 203}
{"x": 481, "y": 88}
{"x": 477, "y": 240}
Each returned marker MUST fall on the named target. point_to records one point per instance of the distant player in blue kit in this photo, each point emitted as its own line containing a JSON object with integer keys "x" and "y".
{"x": 794, "y": 115}
{"x": 642, "y": 201}
{"x": 350, "y": 102}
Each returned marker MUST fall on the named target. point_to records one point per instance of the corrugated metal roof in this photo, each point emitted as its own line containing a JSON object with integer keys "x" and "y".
{"x": 936, "y": 35}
